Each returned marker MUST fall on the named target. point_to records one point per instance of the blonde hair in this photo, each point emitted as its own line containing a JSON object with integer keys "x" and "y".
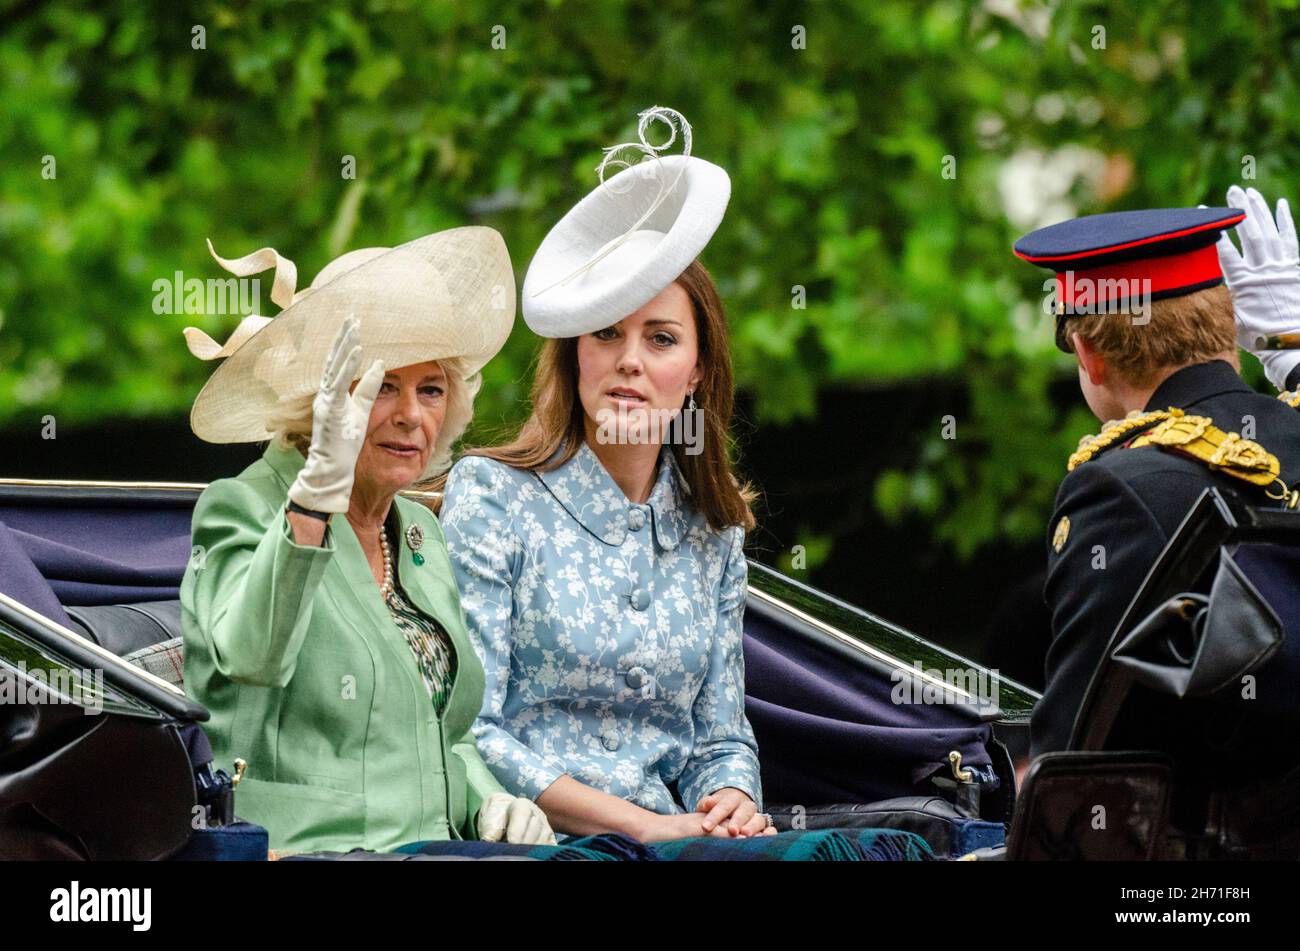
{"x": 1192, "y": 328}
{"x": 291, "y": 422}
{"x": 558, "y": 419}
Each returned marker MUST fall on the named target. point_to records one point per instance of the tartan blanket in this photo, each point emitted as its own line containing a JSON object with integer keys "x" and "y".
{"x": 820, "y": 845}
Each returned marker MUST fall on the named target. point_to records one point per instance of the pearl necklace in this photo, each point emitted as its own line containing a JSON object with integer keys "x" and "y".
{"x": 387, "y": 586}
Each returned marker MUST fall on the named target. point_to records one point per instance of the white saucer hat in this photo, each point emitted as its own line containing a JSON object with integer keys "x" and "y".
{"x": 441, "y": 296}
{"x": 627, "y": 240}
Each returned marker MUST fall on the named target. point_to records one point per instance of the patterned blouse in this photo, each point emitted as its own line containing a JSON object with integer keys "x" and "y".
{"x": 610, "y": 631}
{"x": 434, "y": 655}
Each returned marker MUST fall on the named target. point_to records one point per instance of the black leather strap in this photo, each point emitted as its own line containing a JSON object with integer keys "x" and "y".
{"x": 295, "y": 507}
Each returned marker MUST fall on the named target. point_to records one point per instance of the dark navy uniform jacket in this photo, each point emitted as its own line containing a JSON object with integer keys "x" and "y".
{"x": 1129, "y": 501}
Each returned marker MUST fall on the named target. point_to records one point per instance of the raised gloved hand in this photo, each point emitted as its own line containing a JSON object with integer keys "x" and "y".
{"x": 1264, "y": 279}
{"x": 504, "y": 817}
{"x": 339, "y": 423}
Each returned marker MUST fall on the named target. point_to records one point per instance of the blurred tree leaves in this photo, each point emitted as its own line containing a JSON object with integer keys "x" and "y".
{"x": 837, "y": 154}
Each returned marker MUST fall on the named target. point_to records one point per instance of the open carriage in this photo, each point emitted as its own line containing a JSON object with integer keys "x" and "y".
{"x": 859, "y": 723}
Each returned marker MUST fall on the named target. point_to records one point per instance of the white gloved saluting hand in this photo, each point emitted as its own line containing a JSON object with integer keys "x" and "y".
{"x": 339, "y": 423}
{"x": 504, "y": 817}
{"x": 1264, "y": 279}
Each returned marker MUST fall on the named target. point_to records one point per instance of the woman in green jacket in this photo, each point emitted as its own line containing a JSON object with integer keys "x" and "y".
{"x": 322, "y": 624}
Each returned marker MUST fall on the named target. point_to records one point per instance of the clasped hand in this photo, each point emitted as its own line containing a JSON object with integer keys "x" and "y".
{"x": 727, "y": 813}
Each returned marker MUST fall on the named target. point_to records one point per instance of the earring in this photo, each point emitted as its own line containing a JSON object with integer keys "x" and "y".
{"x": 691, "y": 405}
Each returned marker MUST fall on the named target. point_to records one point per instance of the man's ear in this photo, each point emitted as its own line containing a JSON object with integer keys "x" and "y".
{"x": 1093, "y": 363}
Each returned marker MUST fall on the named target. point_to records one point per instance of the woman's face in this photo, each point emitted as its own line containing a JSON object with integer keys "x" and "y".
{"x": 404, "y": 425}
{"x": 634, "y": 376}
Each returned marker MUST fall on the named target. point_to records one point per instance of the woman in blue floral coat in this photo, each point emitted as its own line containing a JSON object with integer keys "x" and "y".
{"x": 604, "y": 582}
{"x": 600, "y": 554}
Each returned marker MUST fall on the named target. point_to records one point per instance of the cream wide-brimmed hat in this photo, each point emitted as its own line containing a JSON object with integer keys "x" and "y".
{"x": 627, "y": 240}
{"x": 442, "y": 296}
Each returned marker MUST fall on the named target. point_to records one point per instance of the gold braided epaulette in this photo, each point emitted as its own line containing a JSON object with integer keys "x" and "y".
{"x": 1194, "y": 436}
{"x": 1198, "y": 437}
{"x": 1290, "y": 398}
{"x": 1112, "y": 432}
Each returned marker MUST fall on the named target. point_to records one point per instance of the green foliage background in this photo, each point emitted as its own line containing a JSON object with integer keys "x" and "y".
{"x": 836, "y": 152}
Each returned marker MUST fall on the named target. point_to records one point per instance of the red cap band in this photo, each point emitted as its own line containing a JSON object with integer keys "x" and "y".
{"x": 1114, "y": 282}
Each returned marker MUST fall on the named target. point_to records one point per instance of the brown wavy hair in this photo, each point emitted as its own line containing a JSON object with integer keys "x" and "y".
{"x": 557, "y": 419}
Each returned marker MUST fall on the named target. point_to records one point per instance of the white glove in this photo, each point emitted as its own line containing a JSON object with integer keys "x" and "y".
{"x": 1264, "y": 279}
{"x": 515, "y": 818}
{"x": 339, "y": 423}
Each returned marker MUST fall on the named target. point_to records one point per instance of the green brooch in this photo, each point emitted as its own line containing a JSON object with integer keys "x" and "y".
{"x": 414, "y": 539}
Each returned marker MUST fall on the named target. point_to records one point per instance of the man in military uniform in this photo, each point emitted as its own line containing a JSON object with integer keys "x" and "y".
{"x": 1141, "y": 303}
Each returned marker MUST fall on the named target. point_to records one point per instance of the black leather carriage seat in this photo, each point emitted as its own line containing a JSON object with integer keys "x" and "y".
{"x": 124, "y": 628}
{"x": 146, "y": 634}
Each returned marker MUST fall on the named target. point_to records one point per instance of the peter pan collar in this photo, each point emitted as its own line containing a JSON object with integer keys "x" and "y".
{"x": 590, "y": 494}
